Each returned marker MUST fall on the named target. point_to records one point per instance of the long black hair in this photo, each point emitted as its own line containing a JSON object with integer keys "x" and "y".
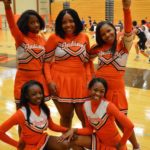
{"x": 101, "y": 80}
{"x": 25, "y": 100}
{"x": 100, "y": 42}
{"x": 58, "y": 24}
{"x": 24, "y": 18}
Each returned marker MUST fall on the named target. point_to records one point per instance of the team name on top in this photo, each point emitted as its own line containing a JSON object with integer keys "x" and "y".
{"x": 71, "y": 44}
{"x": 108, "y": 53}
{"x": 33, "y": 46}
{"x": 39, "y": 123}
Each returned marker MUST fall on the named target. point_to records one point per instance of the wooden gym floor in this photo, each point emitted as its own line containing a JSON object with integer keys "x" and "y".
{"x": 137, "y": 89}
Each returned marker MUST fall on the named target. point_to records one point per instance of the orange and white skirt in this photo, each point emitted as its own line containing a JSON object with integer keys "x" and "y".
{"x": 71, "y": 83}
{"x": 23, "y": 76}
{"x": 116, "y": 93}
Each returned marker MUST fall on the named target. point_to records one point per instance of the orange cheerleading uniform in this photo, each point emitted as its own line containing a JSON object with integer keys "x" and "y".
{"x": 67, "y": 65}
{"x": 112, "y": 68}
{"x": 32, "y": 134}
{"x": 100, "y": 122}
{"x": 30, "y": 56}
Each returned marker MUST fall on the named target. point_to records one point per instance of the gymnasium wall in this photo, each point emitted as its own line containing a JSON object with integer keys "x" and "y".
{"x": 140, "y": 10}
{"x": 96, "y": 9}
{"x": 85, "y": 8}
{"x": 22, "y": 5}
{"x": 19, "y": 6}
{"x": 2, "y": 10}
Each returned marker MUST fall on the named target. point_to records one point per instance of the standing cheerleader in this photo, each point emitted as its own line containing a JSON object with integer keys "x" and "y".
{"x": 30, "y": 48}
{"x": 66, "y": 66}
{"x": 112, "y": 56}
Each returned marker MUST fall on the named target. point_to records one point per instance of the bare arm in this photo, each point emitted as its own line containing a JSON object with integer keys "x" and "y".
{"x": 126, "y": 4}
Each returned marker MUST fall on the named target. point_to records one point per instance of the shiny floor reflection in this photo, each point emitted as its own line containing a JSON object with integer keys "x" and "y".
{"x": 138, "y": 78}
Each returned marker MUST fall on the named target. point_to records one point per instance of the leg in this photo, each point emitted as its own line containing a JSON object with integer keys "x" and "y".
{"x": 137, "y": 48}
{"x": 81, "y": 141}
{"x": 66, "y": 113}
{"x": 52, "y": 144}
{"x": 137, "y": 51}
{"x": 142, "y": 48}
{"x": 74, "y": 147}
{"x": 77, "y": 144}
{"x": 78, "y": 110}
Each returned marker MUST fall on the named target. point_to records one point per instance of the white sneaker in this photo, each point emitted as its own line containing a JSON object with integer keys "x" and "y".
{"x": 137, "y": 57}
{"x": 148, "y": 61}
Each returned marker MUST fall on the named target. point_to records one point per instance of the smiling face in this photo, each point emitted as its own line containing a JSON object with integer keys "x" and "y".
{"x": 97, "y": 91}
{"x": 35, "y": 94}
{"x": 107, "y": 34}
{"x": 34, "y": 24}
{"x": 68, "y": 24}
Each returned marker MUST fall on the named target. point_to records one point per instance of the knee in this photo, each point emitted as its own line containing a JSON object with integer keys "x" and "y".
{"x": 66, "y": 145}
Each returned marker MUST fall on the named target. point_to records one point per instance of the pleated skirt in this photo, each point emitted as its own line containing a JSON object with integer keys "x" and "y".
{"x": 71, "y": 82}
{"x": 22, "y": 76}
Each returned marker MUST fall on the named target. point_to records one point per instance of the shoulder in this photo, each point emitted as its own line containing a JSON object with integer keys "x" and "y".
{"x": 54, "y": 36}
{"x": 112, "y": 109}
{"x": 52, "y": 40}
{"x": 82, "y": 34}
{"x": 42, "y": 39}
{"x": 94, "y": 49}
{"x": 18, "y": 116}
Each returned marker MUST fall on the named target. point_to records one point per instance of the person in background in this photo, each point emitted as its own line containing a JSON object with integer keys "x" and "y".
{"x": 146, "y": 30}
{"x": 140, "y": 46}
